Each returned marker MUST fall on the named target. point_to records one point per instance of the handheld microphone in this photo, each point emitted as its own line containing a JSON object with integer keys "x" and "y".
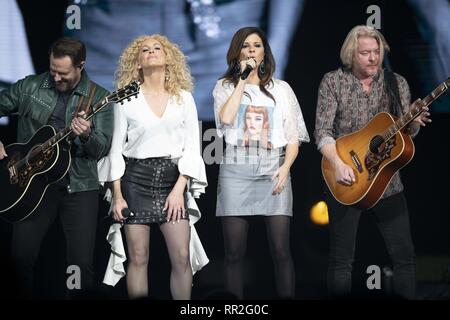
{"x": 126, "y": 213}
{"x": 246, "y": 72}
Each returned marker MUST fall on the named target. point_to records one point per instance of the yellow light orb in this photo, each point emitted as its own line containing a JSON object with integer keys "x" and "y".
{"x": 319, "y": 213}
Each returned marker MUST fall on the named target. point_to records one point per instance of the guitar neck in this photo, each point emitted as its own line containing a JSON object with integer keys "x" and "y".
{"x": 415, "y": 111}
{"x": 127, "y": 92}
{"x": 64, "y": 133}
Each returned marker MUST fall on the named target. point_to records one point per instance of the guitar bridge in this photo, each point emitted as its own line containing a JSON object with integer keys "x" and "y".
{"x": 356, "y": 161}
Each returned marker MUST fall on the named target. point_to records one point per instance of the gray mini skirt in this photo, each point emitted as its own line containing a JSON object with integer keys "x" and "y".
{"x": 245, "y": 186}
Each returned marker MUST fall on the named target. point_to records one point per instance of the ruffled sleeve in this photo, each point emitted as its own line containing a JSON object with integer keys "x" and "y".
{"x": 222, "y": 91}
{"x": 115, "y": 269}
{"x": 191, "y": 162}
{"x": 112, "y": 167}
{"x": 294, "y": 124}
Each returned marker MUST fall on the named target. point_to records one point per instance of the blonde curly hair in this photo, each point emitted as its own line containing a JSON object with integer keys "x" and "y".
{"x": 178, "y": 75}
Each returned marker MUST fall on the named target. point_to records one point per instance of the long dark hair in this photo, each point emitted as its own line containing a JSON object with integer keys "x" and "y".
{"x": 233, "y": 72}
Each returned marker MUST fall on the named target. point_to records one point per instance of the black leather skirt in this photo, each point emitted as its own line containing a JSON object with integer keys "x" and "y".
{"x": 145, "y": 186}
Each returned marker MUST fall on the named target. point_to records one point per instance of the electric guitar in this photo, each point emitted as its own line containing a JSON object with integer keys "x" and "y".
{"x": 31, "y": 167}
{"x": 376, "y": 153}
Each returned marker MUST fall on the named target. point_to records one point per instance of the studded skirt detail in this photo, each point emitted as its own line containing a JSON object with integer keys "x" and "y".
{"x": 145, "y": 186}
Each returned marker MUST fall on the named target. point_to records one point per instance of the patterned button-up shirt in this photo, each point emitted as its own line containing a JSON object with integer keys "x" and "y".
{"x": 343, "y": 107}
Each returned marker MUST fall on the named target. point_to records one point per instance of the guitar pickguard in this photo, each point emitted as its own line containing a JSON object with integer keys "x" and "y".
{"x": 374, "y": 160}
{"x": 20, "y": 172}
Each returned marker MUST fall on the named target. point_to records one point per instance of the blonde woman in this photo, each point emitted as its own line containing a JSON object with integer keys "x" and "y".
{"x": 154, "y": 162}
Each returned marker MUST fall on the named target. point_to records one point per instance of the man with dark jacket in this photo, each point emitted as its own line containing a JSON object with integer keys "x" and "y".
{"x": 60, "y": 98}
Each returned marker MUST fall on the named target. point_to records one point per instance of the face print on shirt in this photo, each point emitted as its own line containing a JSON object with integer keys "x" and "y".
{"x": 255, "y": 126}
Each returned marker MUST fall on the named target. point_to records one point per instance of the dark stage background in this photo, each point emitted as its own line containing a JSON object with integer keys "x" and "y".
{"x": 314, "y": 50}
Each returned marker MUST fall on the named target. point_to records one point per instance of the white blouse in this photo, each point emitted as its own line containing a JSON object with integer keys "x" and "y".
{"x": 285, "y": 124}
{"x": 140, "y": 134}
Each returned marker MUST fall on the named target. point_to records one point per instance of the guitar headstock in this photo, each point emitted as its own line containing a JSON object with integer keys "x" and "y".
{"x": 130, "y": 90}
{"x": 447, "y": 82}
{"x": 440, "y": 89}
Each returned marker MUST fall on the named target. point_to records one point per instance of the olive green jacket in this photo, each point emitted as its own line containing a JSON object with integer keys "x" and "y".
{"x": 34, "y": 99}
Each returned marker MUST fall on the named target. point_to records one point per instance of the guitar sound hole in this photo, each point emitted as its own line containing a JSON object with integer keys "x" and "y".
{"x": 375, "y": 144}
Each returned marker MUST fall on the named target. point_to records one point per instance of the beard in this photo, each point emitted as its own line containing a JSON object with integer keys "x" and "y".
{"x": 63, "y": 86}
{"x": 372, "y": 70}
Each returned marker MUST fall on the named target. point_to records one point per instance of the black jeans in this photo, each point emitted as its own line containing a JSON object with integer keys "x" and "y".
{"x": 393, "y": 222}
{"x": 78, "y": 214}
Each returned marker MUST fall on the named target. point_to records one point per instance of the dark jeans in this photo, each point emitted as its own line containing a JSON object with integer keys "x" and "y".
{"x": 78, "y": 214}
{"x": 393, "y": 222}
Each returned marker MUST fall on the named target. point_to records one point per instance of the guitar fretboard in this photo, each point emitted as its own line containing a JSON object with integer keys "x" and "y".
{"x": 64, "y": 133}
{"x": 415, "y": 111}
{"x": 126, "y": 92}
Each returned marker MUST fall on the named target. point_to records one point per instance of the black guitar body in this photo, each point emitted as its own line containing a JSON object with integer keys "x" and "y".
{"x": 23, "y": 183}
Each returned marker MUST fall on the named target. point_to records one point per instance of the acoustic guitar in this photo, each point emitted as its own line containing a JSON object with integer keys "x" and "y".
{"x": 376, "y": 153}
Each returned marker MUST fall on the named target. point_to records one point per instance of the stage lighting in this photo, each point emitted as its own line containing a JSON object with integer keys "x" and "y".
{"x": 319, "y": 213}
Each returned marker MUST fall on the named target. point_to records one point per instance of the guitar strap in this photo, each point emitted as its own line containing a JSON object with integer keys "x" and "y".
{"x": 85, "y": 107}
{"x": 395, "y": 105}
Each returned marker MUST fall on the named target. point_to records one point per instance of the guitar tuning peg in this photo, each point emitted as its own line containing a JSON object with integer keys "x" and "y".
{"x": 121, "y": 102}
{"x": 129, "y": 99}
